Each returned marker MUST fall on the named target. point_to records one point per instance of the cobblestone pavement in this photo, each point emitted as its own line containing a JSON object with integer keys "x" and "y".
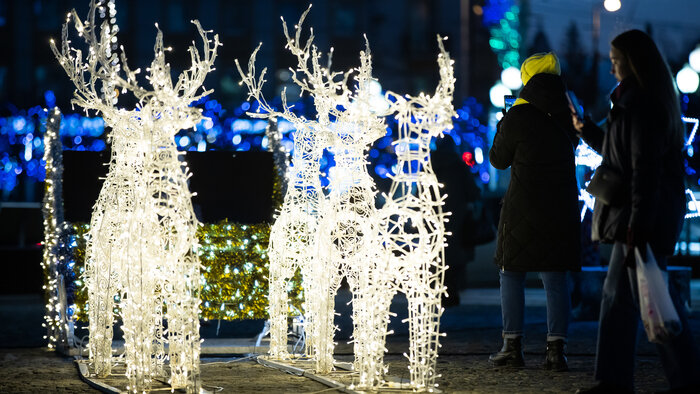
{"x": 473, "y": 331}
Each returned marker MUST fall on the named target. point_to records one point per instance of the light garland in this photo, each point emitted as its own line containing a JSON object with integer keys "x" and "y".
{"x": 281, "y": 162}
{"x": 142, "y": 233}
{"x": 587, "y": 157}
{"x": 231, "y": 133}
{"x": 58, "y": 324}
{"x": 234, "y": 271}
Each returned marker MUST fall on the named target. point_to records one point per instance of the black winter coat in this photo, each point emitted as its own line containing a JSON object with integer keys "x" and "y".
{"x": 637, "y": 146}
{"x": 539, "y": 228}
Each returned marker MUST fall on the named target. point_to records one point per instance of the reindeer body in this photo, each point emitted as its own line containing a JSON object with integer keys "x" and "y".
{"x": 294, "y": 235}
{"x": 413, "y": 227}
{"x": 142, "y": 236}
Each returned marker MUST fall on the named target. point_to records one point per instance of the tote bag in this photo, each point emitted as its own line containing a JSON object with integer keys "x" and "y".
{"x": 660, "y": 318}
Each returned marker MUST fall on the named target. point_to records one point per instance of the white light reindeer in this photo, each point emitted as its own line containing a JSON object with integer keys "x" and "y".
{"x": 413, "y": 222}
{"x": 294, "y": 235}
{"x": 325, "y": 237}
{"x": 142, "y": 235}
{"x": 349, "y": 229}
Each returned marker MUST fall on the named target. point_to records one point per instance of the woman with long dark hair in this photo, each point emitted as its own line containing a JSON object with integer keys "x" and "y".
{"x": 643, "y": 145}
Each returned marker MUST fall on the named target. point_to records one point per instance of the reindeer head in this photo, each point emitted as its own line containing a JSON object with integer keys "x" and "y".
{"x": 101, "y": 75}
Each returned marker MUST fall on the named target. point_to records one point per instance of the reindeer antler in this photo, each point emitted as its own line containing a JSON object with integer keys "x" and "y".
{"x": 98, "y": 75}
{"x": 322, "y": 84}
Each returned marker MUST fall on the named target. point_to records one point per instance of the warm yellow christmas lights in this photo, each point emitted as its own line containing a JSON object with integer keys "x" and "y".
{"x": 142, "y": 237}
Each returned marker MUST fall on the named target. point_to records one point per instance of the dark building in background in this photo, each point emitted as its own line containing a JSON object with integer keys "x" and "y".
{"x": 402, "y": 35}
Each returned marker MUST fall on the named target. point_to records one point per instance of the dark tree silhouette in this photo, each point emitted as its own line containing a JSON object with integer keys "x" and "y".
{"x": 573, "y": 59}
{"x": 540, "y": 43}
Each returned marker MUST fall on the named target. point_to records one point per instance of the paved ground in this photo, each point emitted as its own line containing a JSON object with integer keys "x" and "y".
{"x": 473, "y": 331}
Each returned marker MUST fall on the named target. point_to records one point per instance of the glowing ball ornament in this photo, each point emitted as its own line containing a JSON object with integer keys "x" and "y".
{"x": 687, "y": 80}
{"x": 510, "y": 77}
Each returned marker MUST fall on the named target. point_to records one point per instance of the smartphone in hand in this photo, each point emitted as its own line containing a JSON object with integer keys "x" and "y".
{"x": 574, "y": 104}
{"x": 509, "y": 100}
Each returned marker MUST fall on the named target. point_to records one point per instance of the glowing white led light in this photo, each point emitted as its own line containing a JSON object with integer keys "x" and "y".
{"x": 142, "y": 241}
{"x": 612, "y": 5}
{"x": 294, "y": 235}
{"x": 496, "y": 94}
{"x": 694, "y": 59}
{"x": 694, "y": 131}
{"x": 687, "y": 80}
{"x": 56, "y": 320}
{"x": 510, "y": 77}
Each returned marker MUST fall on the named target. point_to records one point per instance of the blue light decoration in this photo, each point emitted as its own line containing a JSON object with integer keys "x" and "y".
{"x": 588, "y": 160}
{"x": 502, "y": 18}
{"x": 22, "y": 146}
{"x": 692, "y": 208}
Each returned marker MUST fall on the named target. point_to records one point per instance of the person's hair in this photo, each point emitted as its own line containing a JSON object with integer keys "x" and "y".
{"x": 653, "y": 75}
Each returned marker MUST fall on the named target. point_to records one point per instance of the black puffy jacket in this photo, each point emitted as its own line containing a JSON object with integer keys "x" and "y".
{"x": 539, "y": 227}
{"x": 638, "y": 146}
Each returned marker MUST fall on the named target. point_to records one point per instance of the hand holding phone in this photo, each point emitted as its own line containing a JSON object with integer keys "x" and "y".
{"x": 576, "y": 108}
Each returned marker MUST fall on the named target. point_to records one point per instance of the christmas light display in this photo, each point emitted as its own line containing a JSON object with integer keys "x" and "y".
{"x": 502, "y": 18}
{"x": 348, "y": 230}
{"x": 413, "y": 225}
{"x": 281, "y": 160}
{"x": 326, "y": 237}
{"x": 587, "y": 157}
{"x": 398, "y": 248}
{"x": 142, "y": 233}
{"x": 293, "y": 237}
{"x": 57, "y": 322}
{"x": 235, "y": 271}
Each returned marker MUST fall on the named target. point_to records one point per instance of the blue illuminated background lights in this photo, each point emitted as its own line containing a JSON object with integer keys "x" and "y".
{"x": 22, "y": 149}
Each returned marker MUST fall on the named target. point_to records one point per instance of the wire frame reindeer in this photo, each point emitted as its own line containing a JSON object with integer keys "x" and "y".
{"x": 321, "y": 236}
{"x": 349, "y": 230}
{"x": 142, "y": 241}
{"x": 413, "y": 229}
{"x": 294, "y": 235}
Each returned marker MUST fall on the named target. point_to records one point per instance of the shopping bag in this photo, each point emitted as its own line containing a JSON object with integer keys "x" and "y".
{"x": 660, "y": 318}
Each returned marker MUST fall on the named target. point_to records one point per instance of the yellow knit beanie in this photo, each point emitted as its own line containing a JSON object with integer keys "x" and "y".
{"x": 539, "y": 63}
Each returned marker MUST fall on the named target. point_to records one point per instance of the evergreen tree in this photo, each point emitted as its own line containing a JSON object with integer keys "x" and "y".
{"x": 574, "y": 60}
{"x": 540, "y": 43}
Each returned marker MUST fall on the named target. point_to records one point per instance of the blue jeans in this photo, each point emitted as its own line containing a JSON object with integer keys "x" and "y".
{"x": 513, "y": 303}
{"x": 618, "y": 326}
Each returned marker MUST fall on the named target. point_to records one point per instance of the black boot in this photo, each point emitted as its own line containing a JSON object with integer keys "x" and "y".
{"x": 511, "y": 353}
{"x": 555, "y": 359}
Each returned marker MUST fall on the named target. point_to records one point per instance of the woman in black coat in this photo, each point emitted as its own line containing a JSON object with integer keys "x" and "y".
{"x": 643, "y": 146}
{"x": 539, "y": 227}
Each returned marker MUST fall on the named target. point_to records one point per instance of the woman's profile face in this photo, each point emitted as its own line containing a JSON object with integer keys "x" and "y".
{"x": 620, "y": 68}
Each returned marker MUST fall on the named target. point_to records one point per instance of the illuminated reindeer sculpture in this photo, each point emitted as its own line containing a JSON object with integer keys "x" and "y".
{"x": 349, "y": 228}
{"x": 142, "y": 241}
{"x": 294, "y": 235}
{"x": 325, "y": 237}
{"x": 413, "y": 229}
